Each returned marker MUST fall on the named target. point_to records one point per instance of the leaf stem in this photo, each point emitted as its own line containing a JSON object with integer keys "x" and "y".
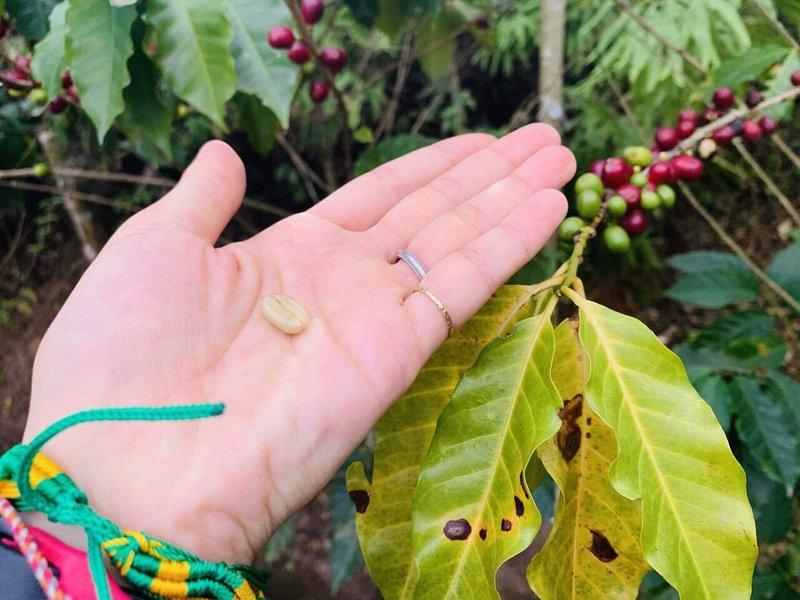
{"x": 784, "y": 147}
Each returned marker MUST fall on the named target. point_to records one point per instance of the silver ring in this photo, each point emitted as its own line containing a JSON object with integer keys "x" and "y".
{"x": 412, "y": 261}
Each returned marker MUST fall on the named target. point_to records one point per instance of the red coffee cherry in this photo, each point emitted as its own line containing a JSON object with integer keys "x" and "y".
{"x": 687, "y": 168}
{"x": 597, "y": 167}
{"x": 616, "y": 172}
{"x": 319, "y": 90}
{"x": 298, "y": 53}
{"x": 3, "y": 27}
{"x": 14, "y": 79}
{"x": 768, "y": 124}
{"x": 724, "y": 98}
{"x": 666, "y": 138}
{"x": 57, "y": 105}
{"x": 334, "y": 58}
{"x": 709, "y": 115}
{"x": 482, "y": 23}
{"x": 687, "y": 114}
{"x": 66, "y": 79}
{"x": 633, "y": 222}
{"x": 661, "y": 172}
{"x": 23, "y": 63}
{"x": 685, "y": 129}
{"x": 796, "y": 77}
{"x": 280, "y": 37}
{"x": 754, "y": 98}
{"x": 723, "y": 135}
{"x": 751, "y": 130}
{"x": 312, "y": 11}
{"x": 631, "y": 194}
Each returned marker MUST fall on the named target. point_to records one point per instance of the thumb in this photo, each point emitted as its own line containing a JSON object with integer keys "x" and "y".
{"x": 207, "y": 196}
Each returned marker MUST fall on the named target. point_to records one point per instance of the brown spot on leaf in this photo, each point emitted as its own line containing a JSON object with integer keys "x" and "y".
{"x": 568, "y": 438}
{"x": 519, "y": 507}
{"x": 458, "y": 529}
{"x": 482, "y": 533}
{"x": 505, "y": 525}
{"x": 588, "y": 420}
{"x": 522, "y": 484}
{"x": 601, "y": 547}
{"x": 588, "y": 435}
{"x": 361, "y": 499}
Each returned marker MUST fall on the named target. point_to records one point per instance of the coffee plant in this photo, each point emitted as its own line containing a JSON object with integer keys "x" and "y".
{"x": 666, "y": 464}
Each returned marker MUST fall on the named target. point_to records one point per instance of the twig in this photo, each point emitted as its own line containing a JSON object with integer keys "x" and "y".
{"x": 82, "y": 196}
{"x": 627, "y": 9}
{"x": 777, "y": 24}
{"x": 308, "y": 39}
{"x": 784, "y": 147}
{"x": 95, "y": 175}
{"x": 267, "y": 208}
{"x": 387, "y": 120}
{"x": 307, "y": 174}
{"x": 626, "y": 108}
{"x": 738, "y": 250}
{"x": 768, "y": 181}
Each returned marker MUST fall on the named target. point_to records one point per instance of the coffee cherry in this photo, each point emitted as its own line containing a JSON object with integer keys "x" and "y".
{"x": 633, "y": 222}
{"x": 18, "y": 94}
{"x": 724, "y": 98}
{"x": 687, "y": 168}
{"x": 482, "y": 23}
{"x": 312, "y": 11}
{"x": 754, "y": 98}
{"x": 40, "y": 170}
{"x": 630, "y": 193}
{"x": 723, "y": 135}
{"x": 661, "y": 172}
{"x": 298, "y": 53}
{"x": 650, "y": 200}
{"x": 14, "y": 79}
{"x": 706, "y": 148}
{"x": 796, "y": 77}
{"x": 616, "y": 206}
{"x": 709, "y": 115}
{"x": 687, "y": 114}
{"x": 72, "y": 92}
{"x": 588, "y": 204}
{"x": 638, "y": 156}
{"x": 3, "y": 27}
{"x": 685, "y": 128}
{"x": 23, "y": 63}
{"x": 318, "y": 90}
{"x": 597, "y": 167}
{"x": 768, "y": 124}
{"x": 569, "y": 228}
{"x": 616, "y": 239}
{"x": 751, "y": 130}
{"x": 639, "y": 179}
{"x": 280, "y": 37}
{"x": 589, "y": 181}
{"x": 616, "y": 171}
{"x": 66, "y": 79}
{"x": 667, "y": 195}
{"x": 38, "y": 96}
{"x": 57, "y": 105}
{"x": 666, "y": 138}
{"x": 334, "y": 58}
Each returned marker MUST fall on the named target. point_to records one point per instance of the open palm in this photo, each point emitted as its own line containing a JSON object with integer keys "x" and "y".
{"x": 164, "y": 317}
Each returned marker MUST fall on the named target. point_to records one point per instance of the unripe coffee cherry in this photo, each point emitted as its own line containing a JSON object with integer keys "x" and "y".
{"x": 38, "y": 96}
{"x": 639, "y": 179}
{"x": 57, "y": 105}
{"x": 40, "y": 170}
{"x": 616, "y": 172}
{"x": 630, "y": 193}
{"x": 638, "y": 156}
{"x": 754, "y": 98}
{"x": 318, "y": 90}
{"x": 334, "y": 58}
{"x": 685, "y": 128}
{"x": 280, "y": 37}
{"x": 666, "y": 138}
{"x": 723, "y": 135}
{"x": 312, "y": 11}
{"x": 633, "y": 222}
{"x": 751, "y": 130}
{"x": 724, "y": 98}
{"x": 589, "y": 181}
{"x": 687, "y": 168}
{"x": 588, "y": 204}
{"x": 569, "y": 228}
{"x": 768, "y": 124}
{"x": 616, "y": 206}
{"x": 796, "y": 77}
{"x": 298, "y": 53}
{"x": 661, "y": 172}
{"x": 616, "y": 239}
{"x": 667, "y": 195}
{"x": 650, "y": 200}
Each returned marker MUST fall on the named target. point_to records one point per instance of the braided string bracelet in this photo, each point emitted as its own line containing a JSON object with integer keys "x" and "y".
{"x": 154, "y": 567}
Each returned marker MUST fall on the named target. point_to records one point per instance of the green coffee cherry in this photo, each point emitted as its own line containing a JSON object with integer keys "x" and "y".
{"x": 38, "y": 96}
{"x": 667, "y": 195}
{"x": 638, "y": 156}
{"x": 650, "y": 200}
{"x": 616, "y": 206}
{"x": 569, "y": 228}
{"x": 40, "y": 170}
{"x": 639, "y": 179}
{"x": 616, "y": 239}
{"x": 589, "y": 181}
{"x": 588, "y": 204}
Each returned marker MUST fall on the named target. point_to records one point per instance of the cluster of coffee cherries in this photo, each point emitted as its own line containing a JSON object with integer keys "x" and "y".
{"x": 283, "y": 38}
{"x": 641, "y": 181}
{"x": 19, "y": 82}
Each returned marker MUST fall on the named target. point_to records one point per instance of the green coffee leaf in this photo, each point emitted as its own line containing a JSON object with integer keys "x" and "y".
{"x": 437, "y": 57}
{"x": 394, "y": 17}
{"x": 785, "y": 268}
{"x": 593, "y": 550}
{"x": 697, "y": 526}
{"x": 716, "y": 391}
{"x": 471, "y": 509}
{"x": 193, "y": 39}
{"x": 258, "y": 121}
{"x": 766, "y": 424}
{"x": 364, "y": 11}
{"x": 772, "y": 506}
{"x": 782, "y": 82}
{"x": 31, "y": 16}
{"x": 402, "y": 438}
{"x": 261, "y": 70}
{"x": 345, "y": 556}
{"x": 98, "y": 48}
{"x": 748, "y": 65}
{"x": 147, "y": 120}
{"x": 49, "y": 55}
{"x": 712, "y": 279}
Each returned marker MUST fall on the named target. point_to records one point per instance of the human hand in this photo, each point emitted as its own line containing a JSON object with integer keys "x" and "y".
{"x": 163, "y": 317}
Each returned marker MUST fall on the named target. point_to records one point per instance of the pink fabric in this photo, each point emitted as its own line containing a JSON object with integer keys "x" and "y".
{"x": 73, "y": 567}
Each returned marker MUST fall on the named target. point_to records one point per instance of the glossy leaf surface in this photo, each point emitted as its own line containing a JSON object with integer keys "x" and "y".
{"x": 49, "y": 55}
{"x": 30, "y": 16}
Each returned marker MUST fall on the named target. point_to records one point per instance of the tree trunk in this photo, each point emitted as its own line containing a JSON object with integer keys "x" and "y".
{"x": 551, "y": 63}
